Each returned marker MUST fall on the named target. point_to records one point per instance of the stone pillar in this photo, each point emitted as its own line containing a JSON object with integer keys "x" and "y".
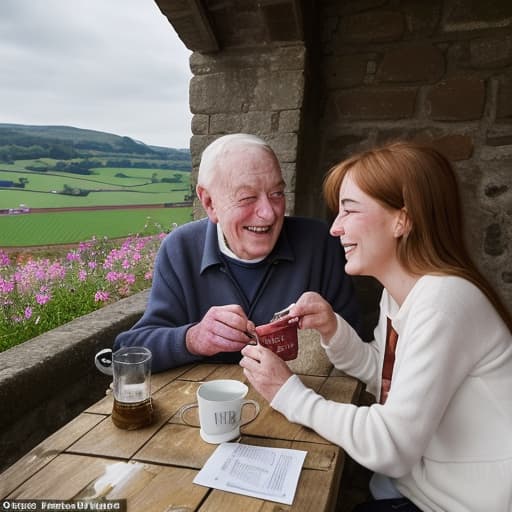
{"x": 258, "y": 91}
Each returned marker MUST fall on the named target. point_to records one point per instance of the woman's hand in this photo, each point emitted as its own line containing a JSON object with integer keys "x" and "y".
{"x": 266, "y": 371}
{"x": 314, "y": 312}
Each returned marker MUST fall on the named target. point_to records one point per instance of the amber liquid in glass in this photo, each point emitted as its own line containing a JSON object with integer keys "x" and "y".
{"x": 132, "y": 415}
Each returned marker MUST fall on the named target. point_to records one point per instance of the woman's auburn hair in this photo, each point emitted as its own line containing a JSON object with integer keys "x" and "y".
{"x": 422, "y": 182}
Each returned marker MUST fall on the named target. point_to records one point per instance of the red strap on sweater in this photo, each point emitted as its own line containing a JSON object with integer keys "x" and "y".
{"x": 389, "y": 361}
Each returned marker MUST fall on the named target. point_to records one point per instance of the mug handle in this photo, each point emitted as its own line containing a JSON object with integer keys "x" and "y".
{"x": 182, "y": 412}
{"x": 256, "y": 406}
{"x": 103, "y": 361}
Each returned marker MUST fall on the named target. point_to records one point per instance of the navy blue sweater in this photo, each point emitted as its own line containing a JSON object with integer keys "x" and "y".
{"x": 191, "y": 275}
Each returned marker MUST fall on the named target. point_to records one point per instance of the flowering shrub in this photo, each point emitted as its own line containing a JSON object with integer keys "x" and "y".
{"x": 37, "y": 295}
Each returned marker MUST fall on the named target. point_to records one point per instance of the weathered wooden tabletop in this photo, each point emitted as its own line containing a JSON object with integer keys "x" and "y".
{"x": 69, "y": 463}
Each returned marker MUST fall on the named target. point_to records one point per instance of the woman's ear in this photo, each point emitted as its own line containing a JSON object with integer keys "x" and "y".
{"x": 207, "y": 202}
{"x": 403, "y": 224}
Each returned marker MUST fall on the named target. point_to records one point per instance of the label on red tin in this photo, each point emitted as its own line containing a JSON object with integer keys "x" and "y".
{"x": 280, "y": 337}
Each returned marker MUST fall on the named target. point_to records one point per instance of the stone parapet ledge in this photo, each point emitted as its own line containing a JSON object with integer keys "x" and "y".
{"x": 48, "y": 380}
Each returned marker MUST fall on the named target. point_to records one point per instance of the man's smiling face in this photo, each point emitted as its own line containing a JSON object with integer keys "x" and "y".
{"x": 247, "y": 199}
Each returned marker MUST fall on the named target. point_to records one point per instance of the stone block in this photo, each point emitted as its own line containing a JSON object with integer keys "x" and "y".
{"x": 282, "y": 21}
{"x": 353, "y": 6}
{"x": 345, "y": 70}
{"x": 475, "y": 15}
{"x": 499, "y": 137}
{"x": 504, "y": 100}
{"x": 242, "y": 90}
{"x": 376, "y": 103}
{"x": 289, "y": 57}
{"x": 421, "y": 18}
{"x": 289, "y": 121}
{"x": 498, "y": 153}
{"x": 491, "y": 52}
{"x": 239, "y": 91}
{"x": 197, "y": 145}
{"x": 505, "y": 140}
{"x": 209, "y": 94}
{"x": 494, "y": 242}
{"x": 376, "y": 26}
{"x": 200, "y": 124}
{"x": 412, "y": 63}
{"x": 284, "y": 146}
{"x": 257, "y": 122}
{"x": 278, "y": 90}
{"x": 288, "y": 170}
{"x": 290, "y": 203}
{"x": 453, "y": 146}
{"x": 225, "y": 123}
{"x": 340, "y": 146}
{"x": 458, "y": 99}
{"x": 507, "y": 277}
{"x": 205, "y": 64}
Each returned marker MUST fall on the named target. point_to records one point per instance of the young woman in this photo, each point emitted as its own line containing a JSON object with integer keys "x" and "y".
{"x": 439, "y": 435}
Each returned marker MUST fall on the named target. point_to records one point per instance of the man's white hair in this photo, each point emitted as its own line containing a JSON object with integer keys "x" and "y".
{"x": 218, "y": 149}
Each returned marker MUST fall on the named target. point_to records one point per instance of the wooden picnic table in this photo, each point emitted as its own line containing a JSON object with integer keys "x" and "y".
{"x": 169, "y": 453}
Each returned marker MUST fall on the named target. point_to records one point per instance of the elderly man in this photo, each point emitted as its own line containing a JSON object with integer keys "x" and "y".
{"x": 215, "y": 278}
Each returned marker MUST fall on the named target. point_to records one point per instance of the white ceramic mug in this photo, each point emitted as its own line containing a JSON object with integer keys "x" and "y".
{"x": 220, "y": 404}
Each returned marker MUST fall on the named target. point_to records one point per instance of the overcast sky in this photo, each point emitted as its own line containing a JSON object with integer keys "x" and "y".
{"x": 110, "y": 65}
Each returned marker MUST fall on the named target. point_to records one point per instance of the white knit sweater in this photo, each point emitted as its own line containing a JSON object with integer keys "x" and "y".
{"x": 445, "y": 432}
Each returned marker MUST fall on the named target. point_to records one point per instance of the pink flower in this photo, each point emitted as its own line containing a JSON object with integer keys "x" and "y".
{"x": 73, "y": 256}
{"x": 82, "y": 275}
{"x": 112, "y": 276}
{"x": 129, "y": 278}
{"x": 42, "y": 298}
{"x": 4, "y": 259}
{"x": 28, "y": 312}
{"x": 101, "y": 296}
{"x": 6, "y": 286}
{"x": 148, "y": 276}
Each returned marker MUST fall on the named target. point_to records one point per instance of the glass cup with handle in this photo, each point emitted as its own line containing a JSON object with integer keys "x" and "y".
{"x": 130, "y": 368}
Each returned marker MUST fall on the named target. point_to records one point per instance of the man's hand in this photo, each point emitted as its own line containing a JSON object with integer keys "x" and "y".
{"x": 222, "y": 329}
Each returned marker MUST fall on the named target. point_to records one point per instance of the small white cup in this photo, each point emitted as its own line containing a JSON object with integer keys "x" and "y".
{"x": 220, "y": 404}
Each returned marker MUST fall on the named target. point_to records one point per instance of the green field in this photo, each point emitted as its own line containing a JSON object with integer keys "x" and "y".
{"x": 71, "y": 227}
{"x": 105, "y": 189}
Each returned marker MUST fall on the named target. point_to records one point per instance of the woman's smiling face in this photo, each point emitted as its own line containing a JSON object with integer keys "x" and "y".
{"x": 367, "y": 231}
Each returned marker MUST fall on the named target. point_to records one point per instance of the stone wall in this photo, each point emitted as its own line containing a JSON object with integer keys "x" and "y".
{"x": 48, "y": 380}
{"x": 362, "y": 72}
{"x": 438, "y": 72}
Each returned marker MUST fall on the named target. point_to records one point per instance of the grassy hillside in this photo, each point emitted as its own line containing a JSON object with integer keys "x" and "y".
{"x": 68, "y": 133}
{"x": 65, "y": 142}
